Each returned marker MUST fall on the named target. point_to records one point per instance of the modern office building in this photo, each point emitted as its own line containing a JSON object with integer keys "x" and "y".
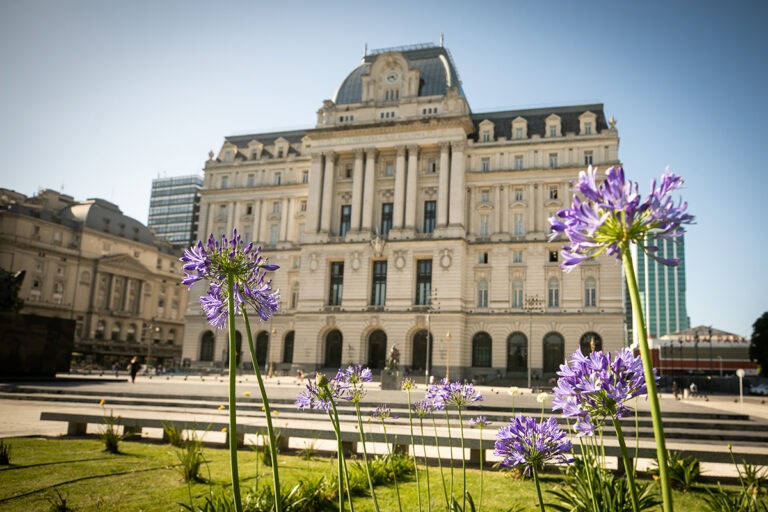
{"x": 86, "y": 261}
{"x": 662, "y": 289}
{"x": 174, "y": 208}
{"x": 405, "y": 220}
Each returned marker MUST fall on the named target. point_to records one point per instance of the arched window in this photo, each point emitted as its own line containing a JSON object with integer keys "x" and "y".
{"x": 482, "y": 293}
{"x": 554, "y": 352}
{"x": 99, "y": 334}
{"x": 481, "y": 349}
{"x": 517, "y": 352}
{"x": 553, "y": 293}
{"x": 421, "y": 341}
{"x": 288, "y": 347}
{"x": 206, "y": 346}
{"x": 238, "y": 347}
{"x": 333, "y": 349}
{"x": 377, "y": 349}
{"x": 590, "y": 342}
{"x": 590, "y": 292}
{"x": 517, "y": 293}
{"x": 171, "y": 336}
{"x": 130, "y": 333}
{"x": 115, "y": 336}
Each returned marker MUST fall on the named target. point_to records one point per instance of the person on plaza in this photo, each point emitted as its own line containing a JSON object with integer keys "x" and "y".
{"x": 133, "y": 367}
{"x": 694, "y": 390}
{"x": 676, "y": 390}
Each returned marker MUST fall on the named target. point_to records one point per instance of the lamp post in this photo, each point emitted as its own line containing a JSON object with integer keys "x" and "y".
{"x": 696, "y": 347}
{"x": 709, "y": 333}
{"x": 432, "y": 296}
{"x": 448, "y": 356}
{"x": 532, "y": 304}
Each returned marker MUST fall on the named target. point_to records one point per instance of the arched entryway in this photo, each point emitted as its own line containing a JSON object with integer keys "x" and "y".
{"x": 554, "y": 352}
{"x": 288, "y": 347}
{"x": 262, "y": 345}
{"x": 207, "y": 346}
{"x": 517, "y": 352}
{"x": 333, "y": 346}
{"x": 482, "y": 346}
{"x": 590, "y": 342}
{"x": 419, "y": 356}
{"x": 238, "y": 347}
{"x": 377, "y": 349}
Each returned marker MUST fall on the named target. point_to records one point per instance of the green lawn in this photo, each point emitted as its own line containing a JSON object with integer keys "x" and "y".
{"x": 144, "y": 477}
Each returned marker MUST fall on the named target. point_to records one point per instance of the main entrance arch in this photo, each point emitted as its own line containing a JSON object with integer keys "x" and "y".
{"x": 377, "y": 349}
{"x": 554, "y": 352}
{"x": 419, "y": 357}
{"x": 333, "y": 346}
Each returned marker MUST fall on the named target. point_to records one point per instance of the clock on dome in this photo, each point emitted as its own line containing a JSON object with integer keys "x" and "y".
{"x": 392, "y": 77}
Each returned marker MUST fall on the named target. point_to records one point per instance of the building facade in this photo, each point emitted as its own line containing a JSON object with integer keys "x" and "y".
{"x": 174, "y": 209}
{"x": 404, "y": 220}
{"x": 662, "y": 289}
{"x": 88, "y": 262}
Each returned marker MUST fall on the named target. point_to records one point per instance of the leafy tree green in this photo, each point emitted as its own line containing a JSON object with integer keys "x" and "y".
{"x": 758, "y": 349}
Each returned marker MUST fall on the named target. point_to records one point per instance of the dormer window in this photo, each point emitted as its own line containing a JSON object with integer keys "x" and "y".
{"x": 588, "y": 128}
{"x": 280, "y": 152}
{"x": 391, "y": 94}
{"x": 587, "y": 123}
{"x": 519, "y": 128}
{"x": 554, "y": 126}
{"x": 552, "y": 130}
{"x": 486, "y": 137}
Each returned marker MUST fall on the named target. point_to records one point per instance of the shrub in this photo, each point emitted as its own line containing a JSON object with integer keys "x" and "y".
{"x": 683, "y": 471}
{"x": 110, "y": 433}
{"x": 174, "y": 434}
{"x": 5, "y": 453}
{"x": 191, "y": 457}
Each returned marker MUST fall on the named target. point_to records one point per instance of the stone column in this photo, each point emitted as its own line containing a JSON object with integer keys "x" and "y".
{"x": 289, "y": 221}
{"x": 370, "y": 183}
{"x": 357, "y": 191}
{"x": 442, "y": 188}
{"x": 457, "y": 184}
{"x": 256, "y": 222}
{"x": 411, "y": 199}
{"x": 496, "y": 209}
{"x": 284, "y": 219}
{"x": 328, "y": 179}
{"x": 315, "y": 190}
{"x": 399, "y": 189}
{"x": 504, "y": 209}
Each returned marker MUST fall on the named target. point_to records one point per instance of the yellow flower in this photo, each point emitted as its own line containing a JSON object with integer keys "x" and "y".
{"x": 119, "y": 415}
{"x": 247, "y": 393}
{"x": 102, "y": 402}
{"x": 222, "y": 407}
{"x": 542, "y": 397}
{"x": 224, "y": 429}
{"x": 274, "y": 412}
{"x": 263, "y": 408}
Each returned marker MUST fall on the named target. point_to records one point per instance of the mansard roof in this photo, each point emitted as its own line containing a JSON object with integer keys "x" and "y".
{"x": 435, "y": 64}
{"x": 102, "y": 215}
{"x": 536, "y": 119}
{"x": 241, "y": 141}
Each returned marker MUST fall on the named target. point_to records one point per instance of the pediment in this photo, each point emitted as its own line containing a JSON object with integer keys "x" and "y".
{"x": 123, "y": 263}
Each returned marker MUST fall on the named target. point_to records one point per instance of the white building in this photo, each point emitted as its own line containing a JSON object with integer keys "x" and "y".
{"x": 403, "y": 219}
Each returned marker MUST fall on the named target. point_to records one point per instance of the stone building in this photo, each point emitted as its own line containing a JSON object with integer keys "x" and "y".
{"x": 403, "y": 219}
{"x": 88, "y": 262}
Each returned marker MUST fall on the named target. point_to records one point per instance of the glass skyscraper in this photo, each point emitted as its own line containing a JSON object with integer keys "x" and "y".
{"x": 174, "y": 208}
{"x": 662, "y": 289}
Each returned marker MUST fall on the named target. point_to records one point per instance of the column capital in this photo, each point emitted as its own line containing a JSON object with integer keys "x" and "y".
{"x": 413, "y": 148}
{"x": 329, "y": 154}
{"x": 359, "y": 153}
{"x": 316, "y": 157}
{"x": 371, "y": 151}
{"x": 400, "y": 150}
{"x": 458, "y": 145}
{"x": 444, "y": 146}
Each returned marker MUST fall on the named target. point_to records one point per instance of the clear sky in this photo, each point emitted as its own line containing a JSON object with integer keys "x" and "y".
{"x": 98, "y": 98}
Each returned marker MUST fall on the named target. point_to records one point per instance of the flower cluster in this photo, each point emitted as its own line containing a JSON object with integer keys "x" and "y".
{"x": 530, "y": 443}
{"x": 480, "y": 422}
{"x": 218, "y": 262}
{"x": 591, "y": 388}
{"x": 608, "y": 216}
{"x": 382, "y": 412}
{"x": 423, "y": 408}
{"x": 318, "y": 394}
{"x": 452, "y": 393}
{"x": 350, "y": 382}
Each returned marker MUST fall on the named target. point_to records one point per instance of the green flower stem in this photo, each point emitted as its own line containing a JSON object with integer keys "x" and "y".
{"x": 392, "y": 464}
{"x": 440, "y": 463}
{"x": 628, "y": 468}
{"x": 480, "y": 507}
{"x": 426, "y": 462}
{"x": 267, "y": 413}
{"x": 650, "y": 380}
{"x": 413, "y": 444}
{"x": 538, "y": 487}
{"x": 450, "y": 447}
{"x": 233, "y": 396}
{"x": 365, "y": 456}
{"x": 463, "y": 464}
{"x": 343, "y": 475}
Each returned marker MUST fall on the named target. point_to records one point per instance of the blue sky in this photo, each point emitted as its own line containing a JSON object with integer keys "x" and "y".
{"x": 98, "y": 98}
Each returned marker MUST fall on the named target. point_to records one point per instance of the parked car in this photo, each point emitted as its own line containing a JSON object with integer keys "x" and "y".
{"x": 760, "y": 389}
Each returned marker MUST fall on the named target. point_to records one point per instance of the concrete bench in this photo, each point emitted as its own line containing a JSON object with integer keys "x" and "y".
{"x": 77, "y": 425}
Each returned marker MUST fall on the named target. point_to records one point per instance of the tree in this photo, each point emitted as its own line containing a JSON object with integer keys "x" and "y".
{"x": 758, "y": 348}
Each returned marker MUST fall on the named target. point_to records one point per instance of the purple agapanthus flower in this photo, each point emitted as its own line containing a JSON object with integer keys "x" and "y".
{"x": 382, "y": 412}
{"x": 452, "y": 394}
{"x": 319, "y": 394}
{"x": 422, "y": 408}
{"x": 350, "y": 382}
{"x": 609, "y": 216}
{"x": 595, "y": 387}
{"x": 530, "y": 443}
{"x": 217, "y": 262}
{"x": 480, "y": 422}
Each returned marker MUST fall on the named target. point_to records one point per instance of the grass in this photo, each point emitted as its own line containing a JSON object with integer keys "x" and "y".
{"x": 145, "y": 477}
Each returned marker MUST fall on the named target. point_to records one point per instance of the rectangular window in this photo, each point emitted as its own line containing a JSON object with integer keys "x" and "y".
{"x": 430, "y": 209}
{"x": 389, "y": 168}
{"x": 553, "y": 295}
{"x": 274, "y": 234}
{"x": 517, "y": 294}
{"x": 276, "y": 207}
{"x": 553, "y": 191}
{"x": 431, "y": 166}
{"x": 588, "y": 128}
{"x": 518, "y": 162}
{"x": 379, "y": 283}
{"x": 553, "y": 160}
{"x": 348, "y": 171}
{"x": 518, "y": 194}
{"x": 519, "y": 133}
{"x": 295, "y": 296}
{"x": 346, "y": 218}
{"x": 553, "y": 130}
{"x": 517, "y": 256}
{"x": 485, "y": 196}
{"x": 483, "y": 258}
{"x": 553, "y": 256}
{"x": 386, "y": 218}
{"x": 225, "y": 182}
{"x": 278, "y": 178}
{"x": 337, "y": 283}
{"x": 484, "y": 225}
{"x": 518, "y": 224}
{"x": 303, "y": 205}
{"x": 305, "y": 177}
{"x": 251, "y": 181}
{"x": 482, "y": 294}
{"x": 587, "y": 158}
{"x": 485, "y": 164}
{"x": 423, "y": 282}
{"x": 486, "y": 137}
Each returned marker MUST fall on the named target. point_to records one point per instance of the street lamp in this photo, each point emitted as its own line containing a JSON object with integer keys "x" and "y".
{"x": 532, "y": 304}
{"x": 448, "y": 356}
{"x": 709, "y": 333}
{"x": 432, "y": 296}
{"x": 696, "y": 346}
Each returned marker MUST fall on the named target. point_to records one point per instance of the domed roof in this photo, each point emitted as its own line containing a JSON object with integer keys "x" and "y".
{"x": 101, "y": 215}
{"x": 438, "y": 72}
